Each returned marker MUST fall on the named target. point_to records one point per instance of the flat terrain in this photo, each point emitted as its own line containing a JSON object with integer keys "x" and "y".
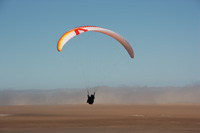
{"x": 100, "y": 118}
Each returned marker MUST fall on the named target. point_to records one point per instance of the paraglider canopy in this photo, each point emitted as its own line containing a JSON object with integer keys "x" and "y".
{"x": 76, "y": 31}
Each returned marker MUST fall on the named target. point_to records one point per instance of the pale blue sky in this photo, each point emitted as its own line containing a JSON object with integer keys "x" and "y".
{"x": 164, "y": 34}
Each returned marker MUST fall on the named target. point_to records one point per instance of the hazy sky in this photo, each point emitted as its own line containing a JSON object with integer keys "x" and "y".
{"x": 164, "y": 34}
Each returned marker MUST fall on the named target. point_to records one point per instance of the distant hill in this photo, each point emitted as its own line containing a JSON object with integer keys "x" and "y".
{"x": 104, "y": 95}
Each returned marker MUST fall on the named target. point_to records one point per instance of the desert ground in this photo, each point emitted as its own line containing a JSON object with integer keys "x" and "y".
{"x": 100, "y": 118}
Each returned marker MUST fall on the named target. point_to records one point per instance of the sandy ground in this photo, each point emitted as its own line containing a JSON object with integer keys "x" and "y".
{"x": 100, "y": 118}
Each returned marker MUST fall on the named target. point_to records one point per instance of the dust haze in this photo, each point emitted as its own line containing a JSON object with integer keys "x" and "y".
{"x": 104, "y": 95}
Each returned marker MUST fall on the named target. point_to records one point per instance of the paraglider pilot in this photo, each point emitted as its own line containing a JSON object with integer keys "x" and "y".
{"x": 91, "y": 98}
